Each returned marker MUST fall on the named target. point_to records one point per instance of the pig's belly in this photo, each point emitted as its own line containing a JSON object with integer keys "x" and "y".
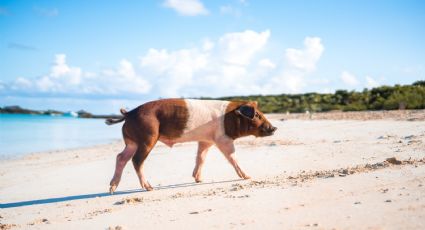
{"x": 206, "y": 133}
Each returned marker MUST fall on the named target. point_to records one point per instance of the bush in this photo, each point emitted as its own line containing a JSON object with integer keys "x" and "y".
{"x": 383, "y": 97}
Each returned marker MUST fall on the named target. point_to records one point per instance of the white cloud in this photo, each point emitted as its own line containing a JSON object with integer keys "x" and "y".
{"x": 300, "y": 64}
{"x": 288, "y": 81}
{"x": 126, "y": 69}
{"x": 60, "y": 79}
{"x": 231, "y": 72}
{"x": 68, "y": 80}
{"x": 239, "y": 48}
{"x": 44, "y": 84}
{"x": 294, "y": 83}
{"x": 61, "y": 70}
{"x": 123, "y": 79}
{"x": 349, "y": 79}
{"x": 207, "y": 70}
{"x": 21, "y": 82}
{"x": 370, "y": 82}
{"x": 187, "y": 7}
{"x": 174, "y": 70}
{"x": 307, "y": 58}
{"x": 266, "y": 63}
{"x": 207, "y": 45}
{"x": 232, "y": 64}
{"x": 157, "y": 60}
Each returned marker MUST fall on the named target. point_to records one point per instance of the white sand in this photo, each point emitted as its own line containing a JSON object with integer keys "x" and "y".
{"x": 298, "y": 182}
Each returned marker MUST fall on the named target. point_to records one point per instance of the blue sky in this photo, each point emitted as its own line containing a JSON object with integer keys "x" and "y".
{"x": 101, "y": 56}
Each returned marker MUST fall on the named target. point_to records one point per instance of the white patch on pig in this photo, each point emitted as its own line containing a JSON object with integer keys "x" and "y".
{"x": 206, "y": 120}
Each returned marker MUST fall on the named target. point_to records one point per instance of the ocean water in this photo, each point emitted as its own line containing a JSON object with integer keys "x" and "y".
{"x": 22, "y": 134}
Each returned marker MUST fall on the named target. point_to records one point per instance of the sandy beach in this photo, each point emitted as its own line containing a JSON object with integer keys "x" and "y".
{"x": 335, "y": 171}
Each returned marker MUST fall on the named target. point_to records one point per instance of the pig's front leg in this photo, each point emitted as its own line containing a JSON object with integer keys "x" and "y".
{"x": 226, "y": 146}
{"x": 200, "y": 160}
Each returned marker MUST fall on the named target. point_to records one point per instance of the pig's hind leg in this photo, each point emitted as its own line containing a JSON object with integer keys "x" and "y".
{"x": 146, "y": 144}
{"x": 138, "y": 163}
{"x": 122, "y": 159}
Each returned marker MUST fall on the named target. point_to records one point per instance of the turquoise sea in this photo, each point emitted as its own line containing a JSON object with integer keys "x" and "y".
{"x": 22, "y": 134}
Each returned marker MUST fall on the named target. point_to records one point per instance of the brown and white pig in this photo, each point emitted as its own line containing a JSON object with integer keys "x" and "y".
{"x": 209, "y": 122}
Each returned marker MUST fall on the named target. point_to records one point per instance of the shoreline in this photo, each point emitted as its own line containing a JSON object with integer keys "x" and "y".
{"x": 20, "y": 156}
{"x": 396, "y": 115}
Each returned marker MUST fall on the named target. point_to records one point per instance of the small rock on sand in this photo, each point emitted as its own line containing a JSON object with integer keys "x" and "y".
{"x": 385, "y": 190}
{"x": 329, "y": 175}
{"x": 7, "y": 226}
{"x": 118, "y": 227}
{"x": 343, "y": 171}
{"x": 236, "y": 187}
{"x": 393, "y": 160}
{"x": 386, "y": 137}
{"x": 243, "y": 196}
{"x": 40, "y": 221}
{"x": 129, "y": 201}
{"x": 409, "y": 137}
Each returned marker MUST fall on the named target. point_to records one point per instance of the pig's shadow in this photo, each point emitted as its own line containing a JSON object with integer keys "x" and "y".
{"x": 94, "y": 195}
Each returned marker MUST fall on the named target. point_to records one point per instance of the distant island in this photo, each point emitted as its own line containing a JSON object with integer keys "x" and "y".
{"x": 81, "y": 114}
{"x": 398, "y": 97}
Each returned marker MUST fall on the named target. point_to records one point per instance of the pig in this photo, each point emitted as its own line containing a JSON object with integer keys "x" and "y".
{"x": 171, "y": 121}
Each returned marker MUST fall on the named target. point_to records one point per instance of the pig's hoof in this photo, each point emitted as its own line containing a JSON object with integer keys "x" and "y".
{"x": 147, "y": 186}
{"x": 112, "y": 189}
{"x": 198, "y": 180}
{"x": 246, "y": 177}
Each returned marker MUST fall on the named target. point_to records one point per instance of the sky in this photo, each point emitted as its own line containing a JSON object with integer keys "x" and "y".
{"x": 103, "y": 55}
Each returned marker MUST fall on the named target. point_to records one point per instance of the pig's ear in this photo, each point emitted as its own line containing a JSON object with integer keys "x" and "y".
{"x": 246, "y": 111}
{"x": 253, "y": 103}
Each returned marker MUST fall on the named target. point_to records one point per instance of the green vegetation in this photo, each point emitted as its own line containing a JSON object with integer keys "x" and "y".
{"x": 380, "y": 98}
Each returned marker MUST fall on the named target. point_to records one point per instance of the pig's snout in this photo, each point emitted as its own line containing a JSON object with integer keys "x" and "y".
{"x": 271, "y": 129}
{"x": 268, "y": 129}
